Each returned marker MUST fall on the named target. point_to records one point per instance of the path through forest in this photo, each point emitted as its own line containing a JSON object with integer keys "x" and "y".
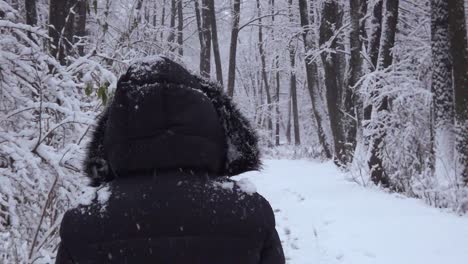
{"x": 324, "y": 218}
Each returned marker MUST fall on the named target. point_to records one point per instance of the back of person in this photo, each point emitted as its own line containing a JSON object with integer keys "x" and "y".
{"x": 165, "y": 148}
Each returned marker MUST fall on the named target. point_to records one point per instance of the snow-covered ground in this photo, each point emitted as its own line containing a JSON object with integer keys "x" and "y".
{"x": 324, "y": 218}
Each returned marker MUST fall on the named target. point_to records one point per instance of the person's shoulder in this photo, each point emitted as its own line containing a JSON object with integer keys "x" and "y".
{"x": 244, "y": 195}
{"x": 76, "y": 221}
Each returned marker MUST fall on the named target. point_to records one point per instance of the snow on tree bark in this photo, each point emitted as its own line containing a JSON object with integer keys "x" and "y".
{"x": 459, "y": 53}
{"x": 205, "y": 50}
{"x": 352, "y": 102}
{"x": 442, "y": 90}
{"x": 266, "y": 83}
{"x": 330, "y": 16}
{"x": 380, "y": 102}
{"x": 311, "y": 75}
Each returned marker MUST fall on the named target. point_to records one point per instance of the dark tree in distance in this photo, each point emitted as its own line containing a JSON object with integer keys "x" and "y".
{"x": 171, "y": 37}
{"x": 61, "y": 28}
{"x": 233, "y": 47}
{"x": 80, "y": 23}
{"x": 163, "y": 18}
{"x": 205, "y": 49}
{"x": 214, "y": 37}
{"x": 31, "y": 12}
{"x": 293, "y": 81}
{"x": 266, "y": 83}
{"x": 180, "y": 28}
{"x": 277, "y": 78}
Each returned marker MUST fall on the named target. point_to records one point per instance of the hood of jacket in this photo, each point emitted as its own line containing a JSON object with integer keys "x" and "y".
{"x": 162, "y": 117}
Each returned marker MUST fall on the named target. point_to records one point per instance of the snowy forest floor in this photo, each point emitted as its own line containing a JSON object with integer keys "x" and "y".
{"x": 322, "y": 217}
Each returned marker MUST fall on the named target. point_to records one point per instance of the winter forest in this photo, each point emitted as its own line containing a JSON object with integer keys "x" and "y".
{"x": 376, "y": 88}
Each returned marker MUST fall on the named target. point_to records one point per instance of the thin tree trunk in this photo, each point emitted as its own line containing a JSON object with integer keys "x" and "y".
{"x": 311, "y": 75}
{"x": 61, "y": 30}
{"x": 277, "y": 101}
{"x": 459, "y": 52}
{"x": 288, "y": 124}
{"x": 155, "y": 15}
{"x": 362, "y": 23}
{"x": 387, "y": 42}
{"x": 198, "y": 20}
{"x": 163, "y": 19}
{"x": 171, "y": 37}
{"x": 81, "y": 23}
{"x": 233, "y": 47}
{"x": 376, "y": 32}
{"x": 180, "y": 27}
{"x": 214, "y": 36}
{"x": 293, "y": 82}
{"x": 205, "y": 50}
{"x": 277, "y": 77}
{"x": 373, "y": 47}
{"x": 31, "y": 12}
{"x": 264, "y": 75}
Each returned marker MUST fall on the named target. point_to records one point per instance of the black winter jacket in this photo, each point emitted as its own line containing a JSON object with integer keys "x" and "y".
{"x": 164, "y": 148}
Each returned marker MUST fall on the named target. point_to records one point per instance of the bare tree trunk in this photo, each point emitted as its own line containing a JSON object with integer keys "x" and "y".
{"x": 205, "y": 49}
{"x": 362, "y": 22}
{"x": 137, "y": 18}
{"x": 163, "y": 19}
{"x": 31, "y": 12}
{"x": 376, "y": 32}
{"x": 459, "y": 52}
{"x": 155, "y": 15}
{"x": 373, "y": 47}
{"x": 81, "y": 24}
{"x": 214, "y": 36}
{"x": 288, "y": 124}
{"x": 171, "y": 37}
{"x": 311, "y": 71}
{"x": 293, "y": 82}
{"x": 330, "y": 16}
{"x": 264, "y": 74}
{"x": 180, "y": 27}
{"x": 442, "y": 88}
{"x": 198, "y": 20}
{"x": 277, "y": 101}
{"x": 351, "y": 98}
{"x": 277, "y": 77}
{"x": 61, "y": 30}
{"x": 233, "y": 47}
{"x": 387, "y": 42}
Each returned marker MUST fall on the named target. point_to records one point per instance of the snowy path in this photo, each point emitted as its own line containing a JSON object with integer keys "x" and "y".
{"x": 322, "y": 218}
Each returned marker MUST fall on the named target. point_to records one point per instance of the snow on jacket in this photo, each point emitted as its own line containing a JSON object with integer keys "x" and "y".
{"x": 165, "y": 148}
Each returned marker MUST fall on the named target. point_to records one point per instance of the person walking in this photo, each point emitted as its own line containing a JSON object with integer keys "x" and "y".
{"x": 165, "y": 147}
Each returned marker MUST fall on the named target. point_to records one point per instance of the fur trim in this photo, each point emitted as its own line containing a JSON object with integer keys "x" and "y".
{"x": 96, "y": 167}
{"x": 242, "y": 153}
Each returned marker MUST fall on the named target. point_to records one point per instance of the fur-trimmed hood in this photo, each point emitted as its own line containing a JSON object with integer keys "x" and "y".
{"x": 239, "y": 149}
